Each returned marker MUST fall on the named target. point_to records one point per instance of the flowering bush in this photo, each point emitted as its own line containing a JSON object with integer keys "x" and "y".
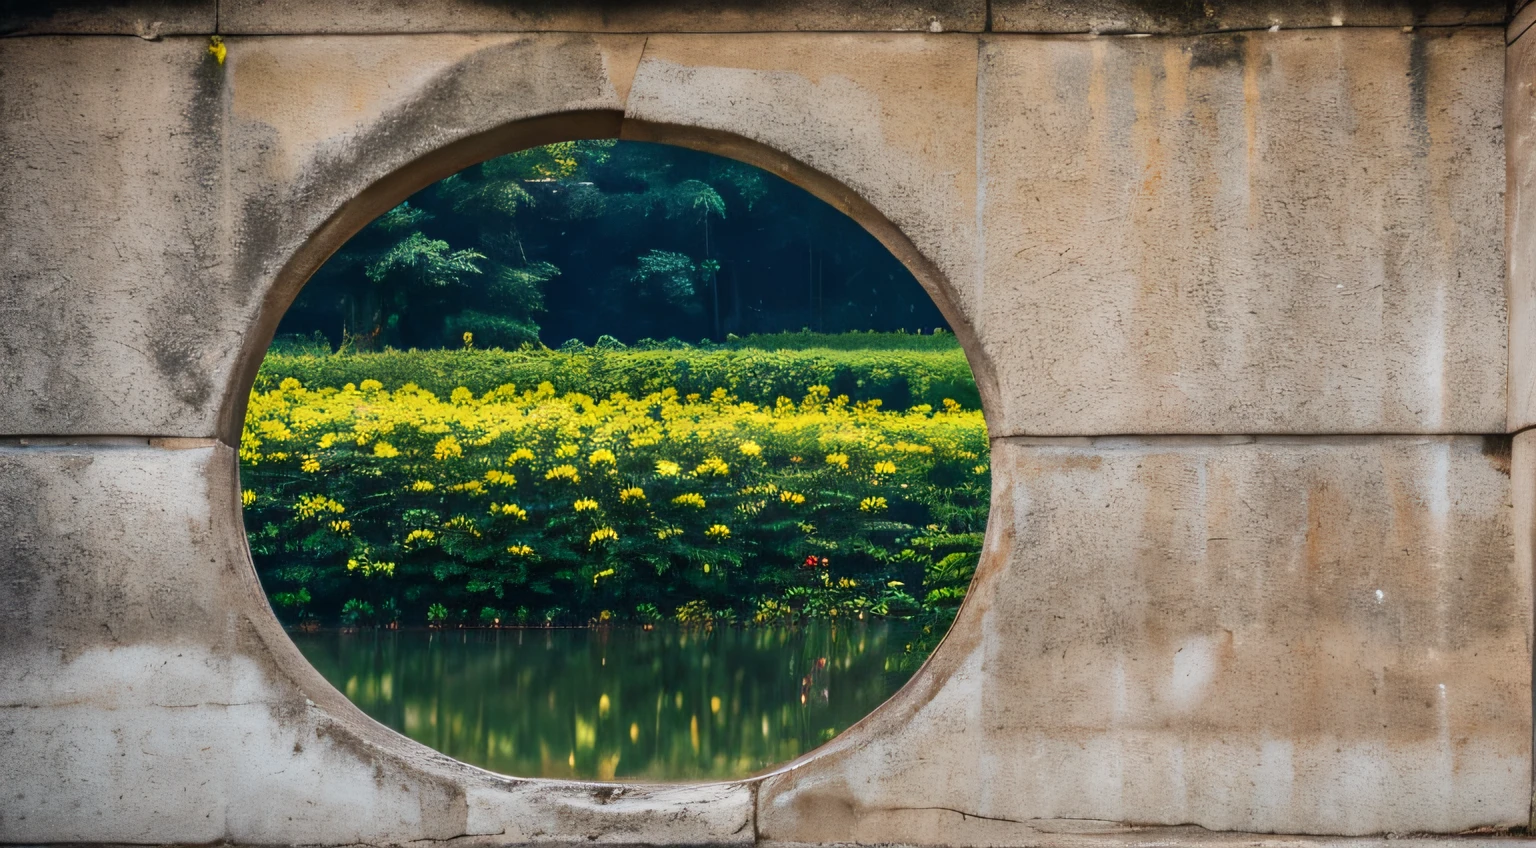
{"x": 527, "y": 506}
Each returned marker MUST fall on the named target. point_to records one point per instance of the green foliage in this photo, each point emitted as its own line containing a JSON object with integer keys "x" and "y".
{"x": 645, "y": 239}
{"x": 899, "y": 377}
{"x": 367, "y": 505}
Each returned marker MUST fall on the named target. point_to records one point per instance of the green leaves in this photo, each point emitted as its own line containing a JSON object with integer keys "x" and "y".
{"x": 425, "y": 262}
{"x": 597, "y": 506}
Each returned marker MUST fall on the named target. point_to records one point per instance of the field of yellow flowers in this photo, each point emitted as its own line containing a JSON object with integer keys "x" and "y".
{"x": 523, "y": 506}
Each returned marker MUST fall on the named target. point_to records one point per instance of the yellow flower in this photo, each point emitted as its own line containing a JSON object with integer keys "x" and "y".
{"x": 370, "y": 385}
{"x": 460, "y": 395}
{"x": 422, "y": 486}
{"x": 607, "y": 572}
{"x": 792, "y": 498}
{"x": 585, "y": 505}
{"x": 247, "y": 497}
{"x": 563, "y": 472}
{"x": 718, "y": 531}
{"x": 602, "y": 534}
{"x": 692, "y": 499}
{"x": 419, "y": 537}
{"x": 446, "y": 447}
{"x": 885, "y": 466}
{"x": 217, "y": 48}
{"x": 500, "y": 478}
{"x": 667, "y": 468}
{"x": 462, "y": 523}
{"x": 341, "y": 528}
{"x": 566, "y": 450}
{"x": 289, "y": 384}
{"x": 633, "y": 493}
{"x": 979, "y": 469}
{"x": 520, "y": 550}
{"x": 714, "y": 465}
{"x": 370, "y": 568}
{"x": 666, "y": 533}
{"x": 327, "y": 440}
{"x": 872, "y": 505}
{"x": 385, "y": 450}
{"x": 750, "y": 449}
{"x": 838, "y": 459}
{"x": 602, "y": 455}
{"x": 310, "y": 506}
{"x": 510, "y": 509}
{"x": 474, "y": 487}
{"x": 519, "y": 454}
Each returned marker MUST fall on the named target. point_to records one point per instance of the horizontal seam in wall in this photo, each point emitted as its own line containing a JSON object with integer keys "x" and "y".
{"x": 1234, "y": 440}
{"x": 154, "y": 442}
{"x": 1076, "y": 34}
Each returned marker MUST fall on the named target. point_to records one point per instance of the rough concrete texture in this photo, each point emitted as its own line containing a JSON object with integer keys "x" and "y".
{"x": 150, "y": 696}
{"x": 143, "y": 18}
{"x": 1184, "y": 17}
{"x": 112, "y": 205}
{"x": 1293, "y": 233}
{"x": 1520, "y": 241}
{"x": 1268, "y": 232}
{"x": 399, "y": 16}
{"x": 1282, "y": 635}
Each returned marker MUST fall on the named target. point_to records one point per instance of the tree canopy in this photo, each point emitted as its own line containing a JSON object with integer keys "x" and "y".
{"x": 588, "y": 238}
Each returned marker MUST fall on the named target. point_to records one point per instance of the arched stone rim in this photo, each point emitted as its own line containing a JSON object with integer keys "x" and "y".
{"x": 388, "y": 191}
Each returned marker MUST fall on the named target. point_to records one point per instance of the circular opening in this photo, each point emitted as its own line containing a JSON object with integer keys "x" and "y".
{"x": 505, "y": 509}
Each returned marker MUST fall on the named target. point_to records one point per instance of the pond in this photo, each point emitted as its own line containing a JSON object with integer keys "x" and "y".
{"x": 618, "y": 703}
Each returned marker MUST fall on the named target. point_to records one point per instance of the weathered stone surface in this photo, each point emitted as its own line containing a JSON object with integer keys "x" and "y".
{"x": 401, "y": 16}
{"x": 1292, "y": 232}
{"x": 151, "y": 697}
{"x": 1307, "y": 636}
{"x": 1520, "y": 241}
{"x": 144, "y": 18}
{"x": 1180, "y": 17}
{"x": 112, "y": 229}
{"x": 1270, "y": 232}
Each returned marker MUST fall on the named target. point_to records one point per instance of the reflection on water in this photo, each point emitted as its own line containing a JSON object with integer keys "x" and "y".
{"x": 667, "y": 704}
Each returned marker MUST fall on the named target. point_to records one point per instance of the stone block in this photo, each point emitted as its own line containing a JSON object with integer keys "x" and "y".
{"x": 151, "y": 697}
{"x": 1310, "y": 635}
{"x": 1520, "y": 239}
{"x": 289, "y": 17}
{"x": 1252, "y": 233}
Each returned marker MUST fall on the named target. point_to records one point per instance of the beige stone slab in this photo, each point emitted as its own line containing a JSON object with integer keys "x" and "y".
{"x": 151, "y": 697}
{"x": 1270, "y": 232}
{"x": 143, "y": 18}
{"x": 1322, "y": 635}
{"x": 1127, "y": 16}
{"x": 113, "y": 231}
{"x": 402, "y": 16}
{"x": 1520, "y": 238}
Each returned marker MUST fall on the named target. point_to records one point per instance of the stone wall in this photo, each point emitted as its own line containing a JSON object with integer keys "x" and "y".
{"x": 1233, "y": 278}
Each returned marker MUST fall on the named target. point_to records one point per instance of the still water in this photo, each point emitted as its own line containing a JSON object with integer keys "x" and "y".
{"x": 616, "y": 703}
